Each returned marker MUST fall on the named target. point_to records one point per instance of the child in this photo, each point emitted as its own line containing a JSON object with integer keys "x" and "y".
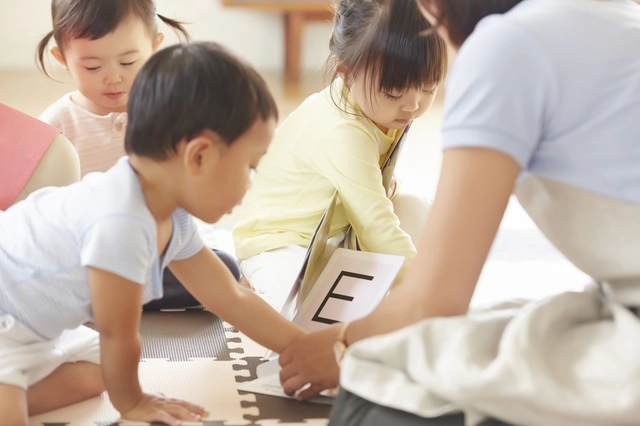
{"x": 103, "y": 44}
{"x": 385, "y": 73}
{"x": 95, "y": 250}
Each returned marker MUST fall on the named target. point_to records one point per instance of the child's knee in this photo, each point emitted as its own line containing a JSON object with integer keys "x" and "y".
{"x": 412, "y": 212}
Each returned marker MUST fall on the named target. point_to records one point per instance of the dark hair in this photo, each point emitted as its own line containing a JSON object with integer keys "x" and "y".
{"x": 461, "y": 17}
{"x": 186, "y": 89}
{"x": 385, "y": 39}
{"x": 93, "y": 19}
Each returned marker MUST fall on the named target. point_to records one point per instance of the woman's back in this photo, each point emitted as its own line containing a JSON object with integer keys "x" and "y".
{"x": 556, "y": 85}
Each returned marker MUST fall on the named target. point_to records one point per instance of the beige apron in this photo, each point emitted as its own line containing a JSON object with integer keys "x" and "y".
{"x": 568, "y": 360}
{"x": 599, "y": 235}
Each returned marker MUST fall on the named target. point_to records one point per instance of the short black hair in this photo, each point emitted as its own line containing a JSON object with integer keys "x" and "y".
{"x": 186, "y": 89}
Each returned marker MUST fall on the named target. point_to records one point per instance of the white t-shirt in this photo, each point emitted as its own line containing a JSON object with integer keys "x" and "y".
{"x": 99, "y": 139}
{"x": 556, "y": 85}
{"x": 48, "y": 240}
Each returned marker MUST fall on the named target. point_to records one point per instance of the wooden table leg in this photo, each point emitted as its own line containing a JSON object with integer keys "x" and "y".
{"x": 293, "y": 27}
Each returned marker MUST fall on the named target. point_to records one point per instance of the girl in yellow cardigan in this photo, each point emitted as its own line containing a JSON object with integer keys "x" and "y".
{"x": 386, "y": 68}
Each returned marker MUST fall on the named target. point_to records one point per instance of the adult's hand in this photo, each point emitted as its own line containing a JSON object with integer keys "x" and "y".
{"x": 310, "y": 360}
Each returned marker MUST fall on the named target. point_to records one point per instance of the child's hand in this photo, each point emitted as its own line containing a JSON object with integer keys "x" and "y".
{"x": 158, "y": 408}
{"x": 392, "y": 187}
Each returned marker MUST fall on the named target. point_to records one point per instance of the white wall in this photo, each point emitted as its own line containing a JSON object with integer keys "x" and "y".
{"x": 256, "y": 36}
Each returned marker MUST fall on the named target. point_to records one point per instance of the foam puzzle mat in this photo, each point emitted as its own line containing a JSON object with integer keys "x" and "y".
{"x": 195, "y": 356}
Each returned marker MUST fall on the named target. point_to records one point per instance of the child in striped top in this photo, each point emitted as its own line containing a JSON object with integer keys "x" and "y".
{"x": 102, "y": 44}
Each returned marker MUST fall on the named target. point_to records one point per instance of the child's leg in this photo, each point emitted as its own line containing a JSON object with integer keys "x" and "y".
{"x": 49, "y": 374}
{"x": 13, "y": 406}
{"x": 272, "y": 274}
{"x": 176, "y": 296}
{"x": 412, "y": 211}
{"x": 70, "y": 383}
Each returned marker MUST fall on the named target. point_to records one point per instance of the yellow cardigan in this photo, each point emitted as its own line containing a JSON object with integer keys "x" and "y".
{"x": 315, "y": 151}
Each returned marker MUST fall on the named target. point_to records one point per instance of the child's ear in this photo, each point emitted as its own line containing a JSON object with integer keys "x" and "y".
{"x": 200, "y": 152}
{"x": 158, "y": 40}
{"x": 57, "y": 54}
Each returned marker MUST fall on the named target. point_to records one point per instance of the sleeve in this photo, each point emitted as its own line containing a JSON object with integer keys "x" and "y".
{"x": 350, "y": 161}
{"x": 499, "y": 92}
{"x": 52, "y": 117}
{"x": 189, "y": 242}
{"x": 120, "y": 245}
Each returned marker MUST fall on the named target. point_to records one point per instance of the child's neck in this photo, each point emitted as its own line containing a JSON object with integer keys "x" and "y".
{"x": 158, "y": 185}
{"x": 383, "y": 129}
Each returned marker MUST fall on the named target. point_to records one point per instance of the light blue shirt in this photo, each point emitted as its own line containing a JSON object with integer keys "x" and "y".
{"x": 555, "y": 84}
{"x": 48, "y": 240}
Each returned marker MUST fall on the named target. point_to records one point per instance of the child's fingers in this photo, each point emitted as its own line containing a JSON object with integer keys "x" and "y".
{"x": 309, "y": 392}
{"x": 164, "y": 417}
{"x": 192, "y": 408}
{"x": 181, "y": 413}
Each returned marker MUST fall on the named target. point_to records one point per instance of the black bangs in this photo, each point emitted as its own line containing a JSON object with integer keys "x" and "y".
{"x": 406, "y": 58}
{"x": 389, "y": 42}
{"x": 96, "y": 19}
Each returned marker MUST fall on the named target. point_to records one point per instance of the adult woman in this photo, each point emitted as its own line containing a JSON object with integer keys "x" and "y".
{"x": 550, "y": 88}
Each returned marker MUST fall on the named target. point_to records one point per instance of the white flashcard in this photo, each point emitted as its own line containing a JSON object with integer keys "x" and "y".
{"x": 351, "y": 285}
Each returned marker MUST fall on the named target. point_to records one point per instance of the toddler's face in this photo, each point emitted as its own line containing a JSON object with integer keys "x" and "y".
{"x": 392, "y": 110}
{"x": 226, "y": 182}
{"x": 103, "y": 70}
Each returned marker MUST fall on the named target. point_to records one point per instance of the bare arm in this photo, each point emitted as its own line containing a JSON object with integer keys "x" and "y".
{"x": 473, "y": 191}
{"x": 117, "y": 306}
{"x": 209, "y": 281}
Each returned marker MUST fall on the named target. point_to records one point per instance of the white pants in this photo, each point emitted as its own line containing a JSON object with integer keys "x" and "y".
{"x": 26, "y": 358}
{"x": 272, "y": 273}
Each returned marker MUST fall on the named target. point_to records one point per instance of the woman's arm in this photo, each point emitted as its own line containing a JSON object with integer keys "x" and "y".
{"x": 473, "y": 191}
{"x": 209, "y": 281}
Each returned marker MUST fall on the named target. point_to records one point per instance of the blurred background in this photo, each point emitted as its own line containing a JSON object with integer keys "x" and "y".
{"x": 287, "y": 42}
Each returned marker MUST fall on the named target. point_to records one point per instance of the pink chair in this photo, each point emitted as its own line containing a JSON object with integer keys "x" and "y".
{"x": 32, "y": 155}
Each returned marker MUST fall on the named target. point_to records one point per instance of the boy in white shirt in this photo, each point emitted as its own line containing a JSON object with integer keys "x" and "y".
{"x": 199, "y": 122}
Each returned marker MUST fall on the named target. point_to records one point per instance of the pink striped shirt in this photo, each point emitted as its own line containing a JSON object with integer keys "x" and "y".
{"x": 99, "y": 139}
